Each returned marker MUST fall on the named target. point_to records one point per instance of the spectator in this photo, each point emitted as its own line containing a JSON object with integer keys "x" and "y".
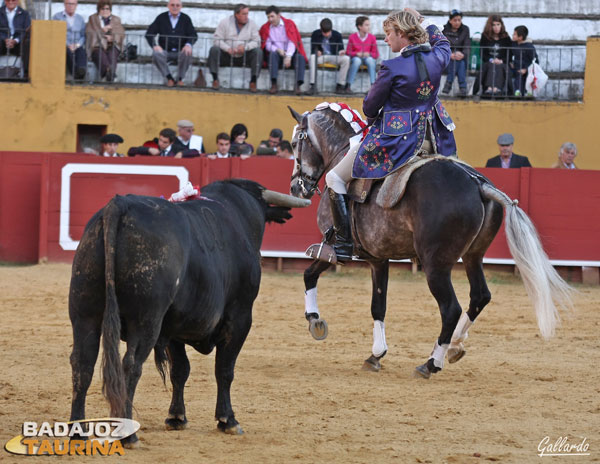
{"x": 76, "y": 53}
{"x": 104, "y": 35}
{"x": 495, "y": 56}
{"x": 284, "y": 150}
{"x": 282, "y": 44}
{"x": 14, "y": 32}
{"x": 506, "y": 158}
{"x": 166, "y": 137}
{"x": 187, "y": 145}
{"x": 362, "y": 49}
{"x": 460, "y": 44}
{"x": 269, "y": 146}
{"x": 223, "y": 146}
{"x": 110, "y": 144}
{"x": 327, "y": 46}
{"x": 566, "y": 156}
{"x": 176, "y": 38}
{"x": 236, "y": 44}
{"x": 523, "y": 55}
{"x": 239, "y": 146}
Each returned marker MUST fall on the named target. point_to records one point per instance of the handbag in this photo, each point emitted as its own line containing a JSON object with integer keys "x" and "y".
{"x": 129, "y": 53}
{"x": 536, "y": 79}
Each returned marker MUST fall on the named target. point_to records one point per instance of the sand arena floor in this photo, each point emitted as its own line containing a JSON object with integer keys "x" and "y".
{"x": 303, "y": 401}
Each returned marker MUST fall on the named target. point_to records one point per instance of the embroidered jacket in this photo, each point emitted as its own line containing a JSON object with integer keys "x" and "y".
{"x": 402, "y": 101}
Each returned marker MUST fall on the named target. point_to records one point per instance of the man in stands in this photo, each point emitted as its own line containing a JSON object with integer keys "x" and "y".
{"x": 223, "y": 146}
{"x": 14, "y": 27}
{"x": 327, "y": 46}
{"x": 166, "y": 137}
{"x": 269, "y": 146}
{"x": 187, "y": 145}
{"x": 76, "y": 53}
{"x": 110, "y": 145}
{"x": 566, "y": 156}
{"x": 282, "y": 44}
{"x": 506, "y": 158}
{"x": 236, "y": 44}
{"x": 176, "y": 38}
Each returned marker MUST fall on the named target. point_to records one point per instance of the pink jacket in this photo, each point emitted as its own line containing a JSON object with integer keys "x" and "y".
{"x": 356, "y": 45}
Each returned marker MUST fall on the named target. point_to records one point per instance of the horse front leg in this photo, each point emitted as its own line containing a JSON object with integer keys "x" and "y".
{"x": 379, "y": 276}
{"x": 316, "y": 326}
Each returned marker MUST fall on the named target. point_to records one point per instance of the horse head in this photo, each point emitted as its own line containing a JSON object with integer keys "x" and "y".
{"x": 319, "y": 141}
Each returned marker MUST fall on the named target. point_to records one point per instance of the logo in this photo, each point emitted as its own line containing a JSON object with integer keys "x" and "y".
{"x": 562, "y": 447}
{"x": 87, "y": 437}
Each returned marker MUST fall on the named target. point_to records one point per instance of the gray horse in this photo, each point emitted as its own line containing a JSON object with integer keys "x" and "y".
{"x": 449, "y": 211}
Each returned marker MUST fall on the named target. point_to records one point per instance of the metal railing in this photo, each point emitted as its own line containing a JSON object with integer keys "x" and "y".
{"x": 14, "y": 61}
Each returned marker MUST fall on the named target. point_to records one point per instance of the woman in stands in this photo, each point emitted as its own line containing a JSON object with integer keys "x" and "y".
{"x": 239, "y": 146}
{"x": 495, "y": 57}
{"x": 104, "y": 39}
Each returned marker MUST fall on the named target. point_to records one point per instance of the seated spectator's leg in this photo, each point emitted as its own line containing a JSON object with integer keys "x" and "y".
{"x": 98, "y": 61}
{"x": 214, "y": 58}
{"x": 70, "y": 62}
{"x": 160, "y": 61}
{"x": 183, "y": 64}
{"x": 274, "y": 61}
{"x": 113, "y": 59}
{"x": 80, "y": 63}
{"x": 25, "y": 54}
{"x": 461, "y": 73}
{"x": 371, "y": 64}
{"x": 343, "y": 61}
{"x": 299, "y": 63}
{"x": 312, "y": 68}
{"x": 254, "y": 59}
{"x": 354, "y": 65}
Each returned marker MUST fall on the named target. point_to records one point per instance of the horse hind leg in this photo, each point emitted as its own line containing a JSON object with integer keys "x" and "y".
{"x": 316, "y": 326}
{"x": 441, "y": 288}
{"x": 379, "y": 277}
{"x": 480, "y": 296}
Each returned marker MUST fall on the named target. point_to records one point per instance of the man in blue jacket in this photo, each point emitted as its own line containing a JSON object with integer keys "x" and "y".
{"x": 14, "y": 29}
{"x": 76, "y": 53}
{"x": 176, "y": 38}
{"x": 327, "y": 46}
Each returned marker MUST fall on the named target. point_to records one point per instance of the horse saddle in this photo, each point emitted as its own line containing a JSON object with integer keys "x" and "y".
{"x": 393, "y": 185}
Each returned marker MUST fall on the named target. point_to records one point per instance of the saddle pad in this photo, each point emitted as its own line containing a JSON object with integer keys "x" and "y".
{"x": 394, "y": 184}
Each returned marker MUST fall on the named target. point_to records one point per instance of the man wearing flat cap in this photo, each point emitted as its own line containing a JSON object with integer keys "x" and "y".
{"x": 187, "y": 145}
{"x": 506, "y": 158}
{"x": 110, "y": 143}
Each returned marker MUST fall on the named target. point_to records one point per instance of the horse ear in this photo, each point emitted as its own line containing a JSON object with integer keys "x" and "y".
{"x": 297, "y": 116}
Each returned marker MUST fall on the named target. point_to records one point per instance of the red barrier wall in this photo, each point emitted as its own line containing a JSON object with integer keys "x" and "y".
{"x": 34, "y": 203}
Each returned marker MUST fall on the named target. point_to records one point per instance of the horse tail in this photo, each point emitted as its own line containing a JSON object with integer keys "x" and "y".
{"x": 544, "y": 286}
{"x": 113, "y": 378}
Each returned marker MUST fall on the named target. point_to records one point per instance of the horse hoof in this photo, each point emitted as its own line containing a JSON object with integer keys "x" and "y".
{"x": 318, "y": 329}
{"x": 422, "y": 371}
{"x": 372, "y": 364}
{"x": 131, "y": 444}
{"x": 455, "y": 354}
{"x": 233, "y": 430}
{"x": 176, "y": 423}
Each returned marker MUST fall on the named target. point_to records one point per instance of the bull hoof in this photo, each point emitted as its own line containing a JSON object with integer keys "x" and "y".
{"x": 176, "y": 423}
{"x": 235, "y": 429}
{"x": 318, "y": 329}
{"x": 372, "y": 364}
{"x": 456, "y": 354}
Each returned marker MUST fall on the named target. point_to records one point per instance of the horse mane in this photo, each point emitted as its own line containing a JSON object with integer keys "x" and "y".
{"x": 335, "y": 130}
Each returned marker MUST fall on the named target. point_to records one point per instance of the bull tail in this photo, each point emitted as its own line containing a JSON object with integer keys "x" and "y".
{"x": 113, "y": 378}
{"x": 545, "y": 287}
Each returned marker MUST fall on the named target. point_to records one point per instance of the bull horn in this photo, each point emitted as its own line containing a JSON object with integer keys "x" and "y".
{"x": 297, "y": 116}
{"x": 281, "y": 199}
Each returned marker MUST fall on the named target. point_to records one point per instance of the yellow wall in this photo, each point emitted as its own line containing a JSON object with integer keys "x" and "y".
{"x": 43, "y": 115}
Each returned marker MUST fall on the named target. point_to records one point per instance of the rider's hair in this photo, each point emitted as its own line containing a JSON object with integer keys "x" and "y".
{"x": 406, "y": 23}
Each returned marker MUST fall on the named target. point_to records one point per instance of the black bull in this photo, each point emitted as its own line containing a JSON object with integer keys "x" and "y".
{"x": 162, "y": 275}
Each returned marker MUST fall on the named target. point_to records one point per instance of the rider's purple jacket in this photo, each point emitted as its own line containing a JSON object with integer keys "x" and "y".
{"x": 402, "y": 100}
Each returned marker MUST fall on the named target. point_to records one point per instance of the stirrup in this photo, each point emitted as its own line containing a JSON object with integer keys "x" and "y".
{"x": 323, "y": 252}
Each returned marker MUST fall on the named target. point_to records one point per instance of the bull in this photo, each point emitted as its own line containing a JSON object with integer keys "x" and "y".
{"x": 161, "y": 275}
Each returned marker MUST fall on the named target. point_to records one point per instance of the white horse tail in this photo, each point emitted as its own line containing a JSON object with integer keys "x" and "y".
{"x": 545, "y": 287}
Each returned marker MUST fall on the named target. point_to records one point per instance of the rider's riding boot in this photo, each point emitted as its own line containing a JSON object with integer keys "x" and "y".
{"x": 341, "y": 226}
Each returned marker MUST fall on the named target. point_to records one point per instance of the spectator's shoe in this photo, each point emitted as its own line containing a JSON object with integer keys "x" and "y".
{"x": 339, "y": 88}
{"x": 447, "y": 88}
{"x": 312, "y": 90}
{"x": 348, "y": 90}
{"x": 109, "y": 76}
{"x": 180, "y": 83}
{"x": 462, "y": 92}
{"x": 170, "y": 83}
{"x": 297, "y": 90}
{"x": 273, "y": 90}
{"x": 517, "y": 93}
{"x": 80, "y": 73}
{"x": 215, "y": 84}
{"x": 253, "y": 87}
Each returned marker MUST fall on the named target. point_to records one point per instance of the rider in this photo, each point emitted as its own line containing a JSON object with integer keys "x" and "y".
{"x": 404, "y": 113}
